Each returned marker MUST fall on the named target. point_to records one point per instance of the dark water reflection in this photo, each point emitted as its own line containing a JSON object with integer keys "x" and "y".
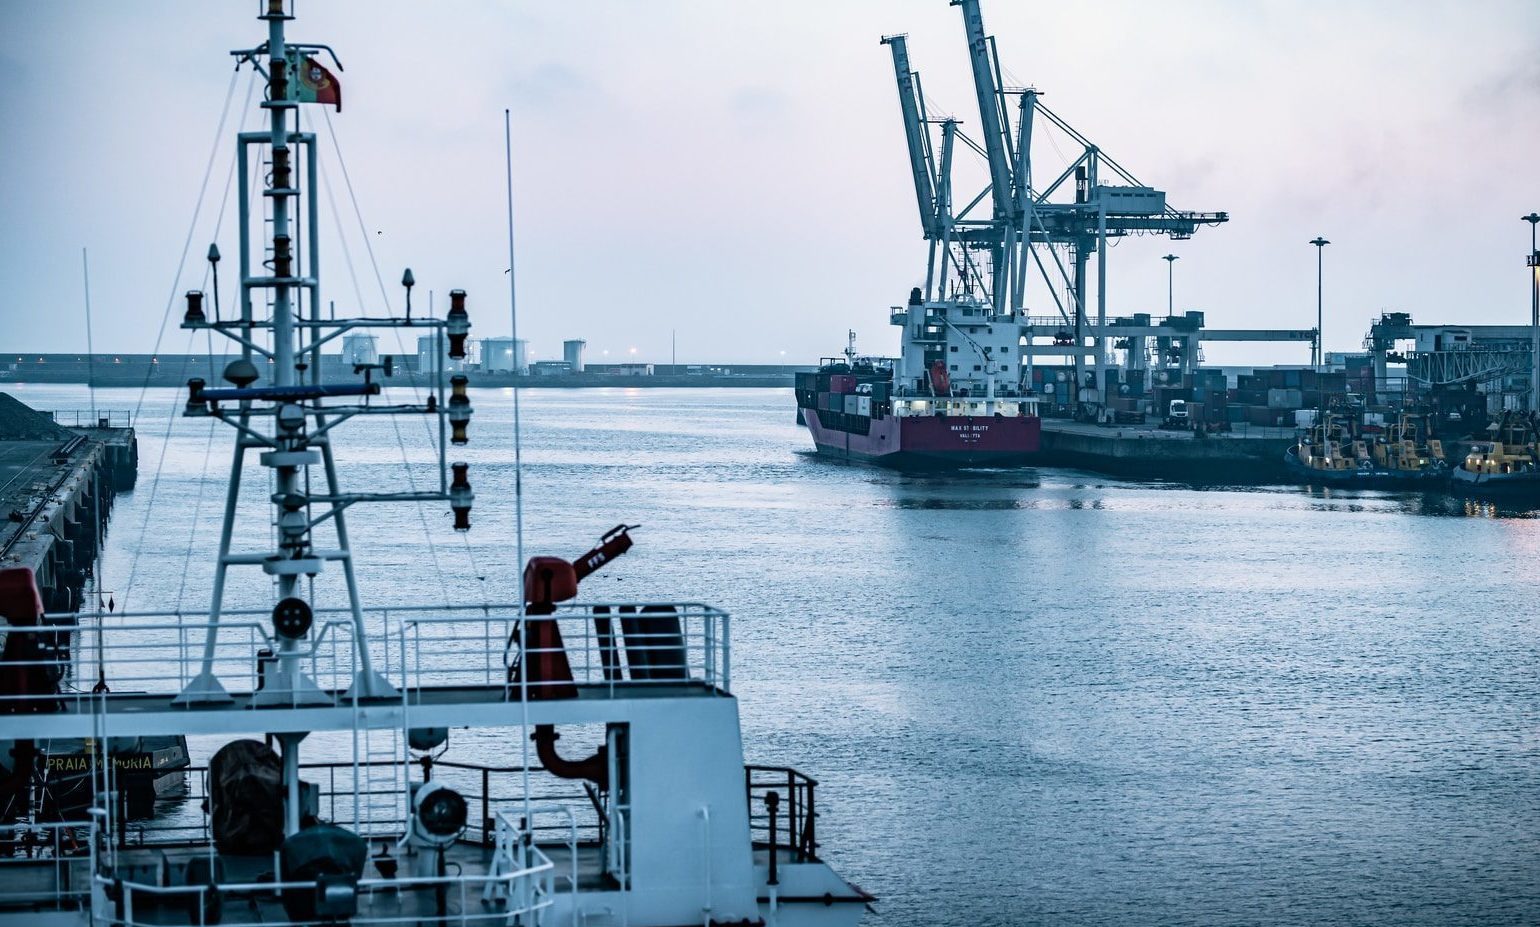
{"x": 1031, "y": 696}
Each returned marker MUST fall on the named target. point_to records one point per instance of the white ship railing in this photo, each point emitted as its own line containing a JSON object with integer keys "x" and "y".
{"x": 483, "y": 649}
{"x": 417, "y": 647}
{"x": 490, "y": 791}
{"x": 92, "y": 418}
{"x": 40, "y": 863}
{"x": 519, "y": 886}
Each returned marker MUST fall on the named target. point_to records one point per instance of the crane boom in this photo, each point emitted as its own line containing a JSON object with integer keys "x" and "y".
{"x": 924, "y": 187}
{"x": 993, "y": 126}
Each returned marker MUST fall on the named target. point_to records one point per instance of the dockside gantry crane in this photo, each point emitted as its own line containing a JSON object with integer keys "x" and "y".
{"x": 987, "y": 258}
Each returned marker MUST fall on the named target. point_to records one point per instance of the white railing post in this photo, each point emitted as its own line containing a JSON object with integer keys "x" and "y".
{"x": 727, "y": 652}
{"x": 708, "y": 635}
{"x": 705, "y": 816}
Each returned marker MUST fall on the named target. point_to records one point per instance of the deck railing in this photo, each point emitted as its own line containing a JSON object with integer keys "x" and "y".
{"x": 489, "y": 791}
{"x": 44, "y": 865}
{"x": 611, "y": 646}
{"x": 789, "y": 820}
{"x": 93, "y": 418}
{"x": 518, "y": 887}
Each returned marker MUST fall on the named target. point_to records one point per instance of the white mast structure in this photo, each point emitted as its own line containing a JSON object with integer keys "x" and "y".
{"x": 290, "y": 420}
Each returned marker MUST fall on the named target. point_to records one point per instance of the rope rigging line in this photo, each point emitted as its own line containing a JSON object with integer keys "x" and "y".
{"x": 342, "y": 238}
{"x": 379, "y": 279}
{"x": 363, "y": 230}
{"x": 187, "y": 357}
{"x": 481, "y": 579}
{"x": 406, "y": 466}
{"x": 192, "y": 532}
{"x": 160, "y": 465}
{"x": 193, "y": 225}
{"x": 208, "y": 446}
{"x": 518, "y": 476}
{"x": 422, "y": 516}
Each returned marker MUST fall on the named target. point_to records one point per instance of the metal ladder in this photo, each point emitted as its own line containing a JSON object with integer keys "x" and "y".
{"x": 379, "y": 769}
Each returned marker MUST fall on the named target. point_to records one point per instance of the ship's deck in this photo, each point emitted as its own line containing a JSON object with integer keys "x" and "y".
{"x": 439, "y": 706}
{"x": 48, "y": 883}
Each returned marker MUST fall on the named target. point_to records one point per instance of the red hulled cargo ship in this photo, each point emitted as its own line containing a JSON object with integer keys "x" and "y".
{"x": 951, "y": 399}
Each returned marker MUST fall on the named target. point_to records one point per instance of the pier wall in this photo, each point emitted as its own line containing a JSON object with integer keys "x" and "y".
{"x": 58, "y": 505}
{"x": 1148, "y": 453}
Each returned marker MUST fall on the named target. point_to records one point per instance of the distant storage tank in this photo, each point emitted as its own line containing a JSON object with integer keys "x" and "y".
{"x": 428, "y": 359}
{"x": 505, "y": 355}
{"x": 433, "y": 356}
{"x": 572, "y": 353}
{"x": 360, "y": 349}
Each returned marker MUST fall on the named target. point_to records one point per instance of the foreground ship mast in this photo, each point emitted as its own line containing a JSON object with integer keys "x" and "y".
{"x": 295, "y": 405}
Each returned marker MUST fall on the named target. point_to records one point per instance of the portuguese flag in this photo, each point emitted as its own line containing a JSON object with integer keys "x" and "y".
{"x": 312, "y": 83}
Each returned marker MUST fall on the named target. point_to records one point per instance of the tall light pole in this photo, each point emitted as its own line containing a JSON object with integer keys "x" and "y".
{"x": 1534, "y": 316}
{"x": 1320, "y": 345}
{"x": 1170, "y": 260}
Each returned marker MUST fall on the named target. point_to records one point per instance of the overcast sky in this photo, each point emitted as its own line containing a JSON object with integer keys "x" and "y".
{"x": 736, "y": 170}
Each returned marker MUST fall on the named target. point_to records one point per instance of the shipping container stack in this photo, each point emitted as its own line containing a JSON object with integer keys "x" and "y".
{"x": 841, "y": 401}
{"x": 1360, "y": 378}
{"x": 1211, "y": 391}
{"x": 1054, "y": 386}
{"x": 1204, "y": 391}
{"x": 1270, "y": 397}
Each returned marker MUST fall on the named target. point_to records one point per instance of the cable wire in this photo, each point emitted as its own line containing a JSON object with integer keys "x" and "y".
{"x": 518, "y": 479}
{"x": 191, "y": 227}
{"x": 160, "y": 465}
{"x": 396, "y": 333}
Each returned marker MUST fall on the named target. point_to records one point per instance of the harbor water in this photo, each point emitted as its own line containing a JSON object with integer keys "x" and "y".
{"x": 1029, "y": 696}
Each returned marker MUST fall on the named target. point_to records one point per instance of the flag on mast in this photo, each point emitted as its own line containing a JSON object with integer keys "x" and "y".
{"x": 312, "y": 83}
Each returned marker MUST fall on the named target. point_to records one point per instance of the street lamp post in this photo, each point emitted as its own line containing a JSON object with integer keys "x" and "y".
{"x": 1534, "y": 315}
{"x": 1320, "y": 345}
{"x": 1170, "y": 260}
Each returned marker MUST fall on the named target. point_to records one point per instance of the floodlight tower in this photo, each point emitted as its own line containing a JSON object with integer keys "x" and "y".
{"x": 1170, "y": 260}
{"x": 1534, "y": 315}
{"x": 1320, "y": 343}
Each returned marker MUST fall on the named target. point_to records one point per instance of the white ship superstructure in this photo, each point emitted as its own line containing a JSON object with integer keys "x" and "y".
{"x": 354, "y": 784}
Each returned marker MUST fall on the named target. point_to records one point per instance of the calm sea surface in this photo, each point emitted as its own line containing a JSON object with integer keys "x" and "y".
{"x": 1029, "y": 696}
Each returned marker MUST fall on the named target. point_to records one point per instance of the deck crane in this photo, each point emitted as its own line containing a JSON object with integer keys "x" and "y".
{"x": 985, "y": 261}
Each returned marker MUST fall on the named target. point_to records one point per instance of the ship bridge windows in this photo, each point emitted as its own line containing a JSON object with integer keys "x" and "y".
{"x": 977, "y": 406}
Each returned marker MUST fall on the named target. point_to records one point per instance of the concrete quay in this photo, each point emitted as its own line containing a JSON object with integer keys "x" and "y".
{"x": 1247, "y": 456}
{"x": 57, "y": 495}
